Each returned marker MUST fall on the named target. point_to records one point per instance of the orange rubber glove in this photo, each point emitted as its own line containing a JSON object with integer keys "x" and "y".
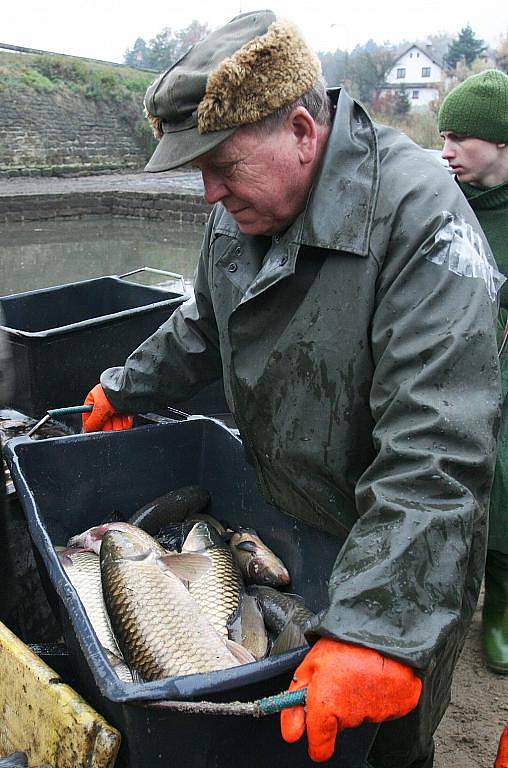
{"x": 502, "y": 752}
{"x": 347, "y": 685}
{"x": 104, "y": 416}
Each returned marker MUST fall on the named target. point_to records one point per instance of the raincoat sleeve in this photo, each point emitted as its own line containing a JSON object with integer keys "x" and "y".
{"x": 409, "y": 573}
{"x": 178, "y": 360}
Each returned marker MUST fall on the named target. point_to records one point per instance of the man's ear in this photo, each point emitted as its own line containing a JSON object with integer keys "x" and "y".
{"x": 304, "y": 131}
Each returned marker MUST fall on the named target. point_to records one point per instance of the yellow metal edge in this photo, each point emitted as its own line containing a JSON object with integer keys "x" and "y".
{"x": 44, "y": 717}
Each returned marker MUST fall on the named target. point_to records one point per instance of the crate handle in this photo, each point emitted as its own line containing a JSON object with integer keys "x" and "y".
{"x": 164, "y": 272}
{"x": 59, "y": 412}
{"x": 268, "y": 706}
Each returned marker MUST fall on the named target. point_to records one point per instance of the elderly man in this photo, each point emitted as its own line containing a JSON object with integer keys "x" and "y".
{"x": 347, "y": 297}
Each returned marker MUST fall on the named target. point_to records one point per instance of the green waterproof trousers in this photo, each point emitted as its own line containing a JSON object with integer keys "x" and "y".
{"x": 498, "y": 516}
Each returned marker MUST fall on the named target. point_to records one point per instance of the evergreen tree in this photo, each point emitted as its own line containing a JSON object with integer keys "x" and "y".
{"x": 166, "y": 48}
{"x": 162, "y": 50}
{"x": 464, "y": 48}
{"x": 402, "y": 103}
{"x": 334, "y": 66}
{"x": 137, "y": 56}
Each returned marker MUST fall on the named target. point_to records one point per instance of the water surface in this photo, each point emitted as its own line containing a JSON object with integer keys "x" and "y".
{"x": 40, "y": 254}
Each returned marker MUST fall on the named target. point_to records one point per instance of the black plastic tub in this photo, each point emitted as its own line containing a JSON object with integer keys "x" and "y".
{"x": 63, "y": 337}
{"x": 68, "y": 484}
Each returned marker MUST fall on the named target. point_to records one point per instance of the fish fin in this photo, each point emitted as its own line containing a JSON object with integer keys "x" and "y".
{"x": 253, "y": 631}
{"x": 296, "y": 598}
{"x": 239, "y": 652}
{"x": 235, "y": 628}
{"x": 120, "y": 667}
{"x": 65, "y": 554}
{"x": 187, "y": 566}
{"x": 136, "y": 677}
{"x": 291, "y": 637}
{"x": 65, "y": 558}
{"x": 249, "y": 609}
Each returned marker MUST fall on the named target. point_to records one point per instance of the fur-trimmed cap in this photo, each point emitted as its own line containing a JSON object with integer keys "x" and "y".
{"x": 265, "y": 74}
{"x": 237, "y": 75}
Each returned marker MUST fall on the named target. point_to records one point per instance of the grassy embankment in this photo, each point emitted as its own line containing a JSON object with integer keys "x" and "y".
{"x": 23, "y": 76}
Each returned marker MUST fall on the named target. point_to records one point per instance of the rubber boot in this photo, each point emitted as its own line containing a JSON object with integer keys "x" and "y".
{"x": 495, "y": 612}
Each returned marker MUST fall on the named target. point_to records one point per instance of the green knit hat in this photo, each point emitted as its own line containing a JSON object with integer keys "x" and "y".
{"x": 478, "y": 107}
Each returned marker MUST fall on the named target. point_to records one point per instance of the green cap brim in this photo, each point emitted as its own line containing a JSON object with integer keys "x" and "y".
{"x": 181, "y": 147}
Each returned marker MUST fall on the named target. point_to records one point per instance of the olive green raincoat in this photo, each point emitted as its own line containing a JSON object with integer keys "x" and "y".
{"x": 359, "y": 359}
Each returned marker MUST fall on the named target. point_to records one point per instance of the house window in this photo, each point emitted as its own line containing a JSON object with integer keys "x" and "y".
{"x": 425, "y": 71}
{"x": 415, "y": 94}
{"x": 401, "y": 72}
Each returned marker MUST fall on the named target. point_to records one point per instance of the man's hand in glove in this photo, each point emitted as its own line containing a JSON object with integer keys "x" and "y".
{"x": 104, "y": 416}
{"x": 502, "y": 752}
{"x": 346, "y": 685}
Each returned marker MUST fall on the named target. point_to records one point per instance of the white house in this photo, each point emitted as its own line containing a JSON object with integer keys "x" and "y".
{"x": 418, "y": 73}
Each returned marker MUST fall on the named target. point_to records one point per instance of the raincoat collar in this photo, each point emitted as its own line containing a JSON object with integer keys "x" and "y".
{"x": 340, "y": 208}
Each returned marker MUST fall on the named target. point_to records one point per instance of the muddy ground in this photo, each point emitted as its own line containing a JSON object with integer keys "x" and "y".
{"x": 469, "y": 732}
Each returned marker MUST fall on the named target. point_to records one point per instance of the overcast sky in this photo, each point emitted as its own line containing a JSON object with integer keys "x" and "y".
{"x": 104, "y": 30}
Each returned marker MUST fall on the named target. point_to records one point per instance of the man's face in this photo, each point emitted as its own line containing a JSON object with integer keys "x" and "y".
{"x": 473, "y": 161}
{"x": 258, "y": 178}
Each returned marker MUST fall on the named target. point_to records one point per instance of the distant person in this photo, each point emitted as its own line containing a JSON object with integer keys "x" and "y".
{"x": 473, "y": 121}
{"x": 347, "y": 297}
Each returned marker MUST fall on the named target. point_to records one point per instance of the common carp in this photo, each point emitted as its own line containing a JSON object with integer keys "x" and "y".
{"x": 173, "y": 536}
{"x": 257, "y": 562}
{"x": 161, "y": 630}
{"x": 285, "y": 616}
{"x": 83, "y": 569}
{"x": 280, "y": 607}
{"x": 218, "y": 592}
{"x": 221, "y": 592}
{"x": 172, "y": 507}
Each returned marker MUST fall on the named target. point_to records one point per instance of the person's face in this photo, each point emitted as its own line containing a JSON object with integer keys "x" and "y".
{"x": 262, "y": 179}
{"x": 473, "y": 160}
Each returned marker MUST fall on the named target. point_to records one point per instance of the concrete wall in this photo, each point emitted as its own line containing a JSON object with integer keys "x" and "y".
{"x": 62, "y": 132}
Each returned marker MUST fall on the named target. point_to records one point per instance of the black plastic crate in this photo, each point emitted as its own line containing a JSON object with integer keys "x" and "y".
{"x": 69, "y": 484}
{"x": 63, "y": 337}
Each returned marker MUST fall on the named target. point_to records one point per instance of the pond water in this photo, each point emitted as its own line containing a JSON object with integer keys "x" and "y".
{"x": 46, "y": 253}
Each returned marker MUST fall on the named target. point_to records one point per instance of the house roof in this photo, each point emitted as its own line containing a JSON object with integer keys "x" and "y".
{"x": 422, "y": 50}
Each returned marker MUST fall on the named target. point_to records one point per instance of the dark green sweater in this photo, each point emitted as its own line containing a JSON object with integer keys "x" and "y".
{"x": 491, "y": 208}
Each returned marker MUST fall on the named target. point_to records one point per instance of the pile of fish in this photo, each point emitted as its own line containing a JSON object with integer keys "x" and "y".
{"x": 173, "y": 591}
{"x": 15, "y": 424}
